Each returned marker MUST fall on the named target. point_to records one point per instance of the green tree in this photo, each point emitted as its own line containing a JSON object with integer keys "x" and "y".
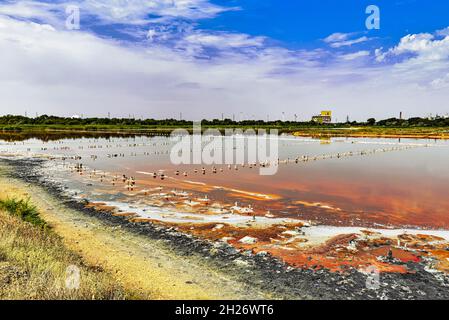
{"x": 371, "y": 121}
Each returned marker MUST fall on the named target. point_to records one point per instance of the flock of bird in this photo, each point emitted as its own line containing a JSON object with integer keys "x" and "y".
{"x": 130, "y": 182}
{"x": 215, "y": 169}
{"x": 77, "y": 164}
{"x": 174, "y": 196}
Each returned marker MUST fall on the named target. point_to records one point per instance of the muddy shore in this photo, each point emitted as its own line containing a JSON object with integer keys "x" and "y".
{"x": 261, "y": 272}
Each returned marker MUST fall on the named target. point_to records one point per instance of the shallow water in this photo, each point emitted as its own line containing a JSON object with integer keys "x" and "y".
{"x": 351, "y": 203}
{"x": 406, "y": 187}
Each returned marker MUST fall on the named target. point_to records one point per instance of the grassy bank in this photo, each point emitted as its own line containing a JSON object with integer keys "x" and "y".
{"x": 35, "y": 264}
{"x": 437, "y": 127}
{"x": 51, "y": 132}
{"x": 376, "y": 131}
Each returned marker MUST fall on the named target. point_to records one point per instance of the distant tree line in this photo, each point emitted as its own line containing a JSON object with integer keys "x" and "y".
{"x": 45, "y": 120}
{"x": 53, "y": 120}
{"x": 414, "y": 122}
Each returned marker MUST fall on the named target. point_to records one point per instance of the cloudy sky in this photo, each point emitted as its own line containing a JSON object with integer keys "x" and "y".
{"x": 250, "y": 58}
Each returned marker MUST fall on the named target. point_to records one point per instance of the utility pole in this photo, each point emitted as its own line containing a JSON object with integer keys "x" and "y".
{"x": 296, "y": 117}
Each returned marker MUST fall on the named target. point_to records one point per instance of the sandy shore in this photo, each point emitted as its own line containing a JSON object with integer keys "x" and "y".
{"x": 144, "y": 266}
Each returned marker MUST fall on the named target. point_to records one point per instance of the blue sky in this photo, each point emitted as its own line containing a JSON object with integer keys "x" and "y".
{"x": 249, "y": 58}
{"x": 299, "y": 22}
{"x": 302, "y": 24}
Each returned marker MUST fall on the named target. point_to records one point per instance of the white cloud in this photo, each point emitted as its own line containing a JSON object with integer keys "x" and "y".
{"x": 355, "y": 55}
{"x": 424, "y": 45}
{"x": 26, "y": 9}
{"x": 224, "y": 40}
{"x": 422, "y": 59}
{"x": 337, "y": 37}
{"x": 338, "y": 40}
{"x": 379, "y": 54}
{"x": 441, "y": 83}
{"x": 138, "y": 11}
{"x": 58, "y": 72}
{"x": 443, "y": 32}
{"x": 32, "y": 10}
{"x": 46, "y": 69}
{"x": 349, "y": 42}
{"x": 127, "y": 12}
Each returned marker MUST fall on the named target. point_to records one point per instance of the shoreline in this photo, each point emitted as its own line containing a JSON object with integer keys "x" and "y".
{"x": 144, "y": 266}
{"x": 366, "y": 135}
{"x": 268, "y": 274}
{"x": 432, "y": 133}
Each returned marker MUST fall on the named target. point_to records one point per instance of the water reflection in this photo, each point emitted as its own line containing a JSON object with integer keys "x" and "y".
{"x": 404, "y": 183}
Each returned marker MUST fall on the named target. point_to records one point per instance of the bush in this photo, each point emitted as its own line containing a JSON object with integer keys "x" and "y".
{"x": 24, "y": 210}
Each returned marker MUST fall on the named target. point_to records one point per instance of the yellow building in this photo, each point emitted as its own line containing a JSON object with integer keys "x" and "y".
{"x": 324, "y": 117}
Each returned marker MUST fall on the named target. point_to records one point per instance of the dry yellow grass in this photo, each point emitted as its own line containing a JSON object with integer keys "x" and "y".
{"x": 34, "y": 262}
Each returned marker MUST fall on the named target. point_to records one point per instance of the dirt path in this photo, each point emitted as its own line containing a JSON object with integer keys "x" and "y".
{"x": 142, "y": 265}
